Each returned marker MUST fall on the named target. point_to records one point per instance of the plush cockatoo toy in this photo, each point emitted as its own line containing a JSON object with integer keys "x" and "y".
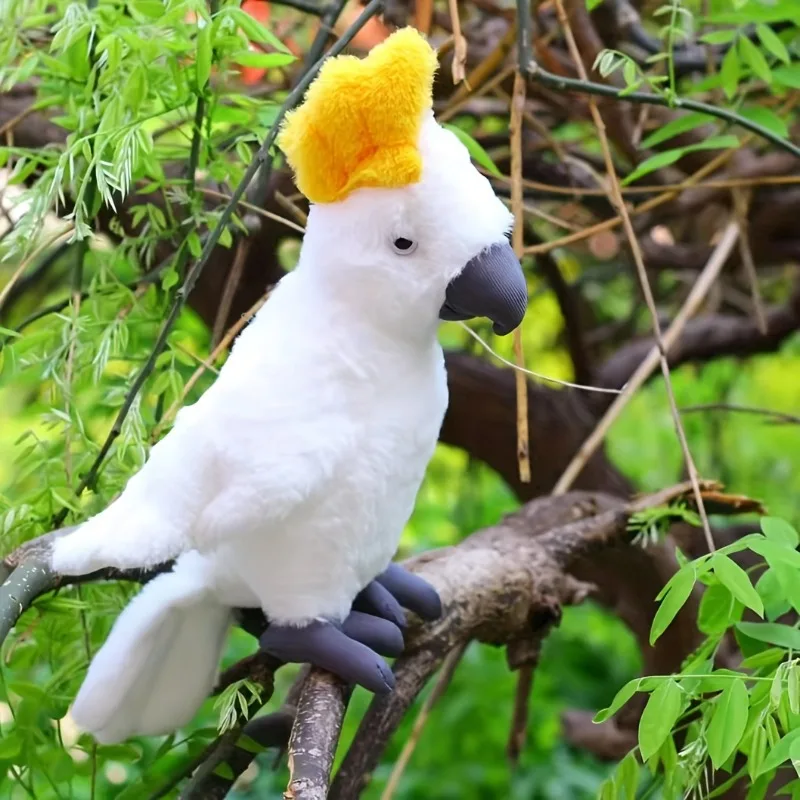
{"x": 286, "y": 487}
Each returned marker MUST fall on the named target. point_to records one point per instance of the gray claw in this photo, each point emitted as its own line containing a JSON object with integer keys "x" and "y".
{"x": 324, "y": 645}
{"x": 377, "y": 600}
{"x": 412, "y": 592}
{"x": 379, "y": 634}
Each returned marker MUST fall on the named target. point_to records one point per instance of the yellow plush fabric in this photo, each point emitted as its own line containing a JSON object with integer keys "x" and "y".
{"x": 359, "y": 123}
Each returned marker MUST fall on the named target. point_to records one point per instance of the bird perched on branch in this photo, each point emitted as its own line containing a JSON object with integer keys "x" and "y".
{"x": 286, "y": 487}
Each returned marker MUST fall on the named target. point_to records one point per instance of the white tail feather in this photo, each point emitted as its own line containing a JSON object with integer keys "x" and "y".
{"x": 160, "y": 661}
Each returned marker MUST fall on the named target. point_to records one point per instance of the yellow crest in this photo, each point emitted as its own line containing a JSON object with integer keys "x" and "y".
{"x": 359, "y": 123}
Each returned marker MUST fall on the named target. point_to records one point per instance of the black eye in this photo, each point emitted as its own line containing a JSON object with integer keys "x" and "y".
{"x": 403, "y": 246}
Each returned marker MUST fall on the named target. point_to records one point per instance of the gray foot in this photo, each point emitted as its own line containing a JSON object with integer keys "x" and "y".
{"x": 409, "y": 591}
{"x": 324, "y": 645}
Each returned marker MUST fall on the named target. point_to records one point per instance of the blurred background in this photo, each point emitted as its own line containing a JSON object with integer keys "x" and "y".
{"x": 99, "y": 136}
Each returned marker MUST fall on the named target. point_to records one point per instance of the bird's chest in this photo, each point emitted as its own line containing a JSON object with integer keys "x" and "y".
{"x": 378, "y": 485}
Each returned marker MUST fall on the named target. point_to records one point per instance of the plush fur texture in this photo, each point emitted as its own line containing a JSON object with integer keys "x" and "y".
{"x": 360, "y": 121}
{"x": 288, "y": 484}
{"x": 160, "y": 661}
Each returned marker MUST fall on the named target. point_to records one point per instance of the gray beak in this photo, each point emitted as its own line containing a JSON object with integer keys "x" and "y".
{"x": 491, "y": 285}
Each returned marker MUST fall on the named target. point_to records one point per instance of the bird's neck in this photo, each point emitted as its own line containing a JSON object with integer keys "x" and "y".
{"x": 373, "y": 301}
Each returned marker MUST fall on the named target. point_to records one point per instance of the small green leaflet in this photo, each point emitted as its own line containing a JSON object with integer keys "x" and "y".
{"x": 729, "y": 72}
{"x": 671, "y": 156}
{"x": 9, "y": 332}
{"x": 475, "y": 150}
{"x": 719, "y": 37}
{"x": 659, "y": 717}
{"x": 249, "y": 58}
{"x": 755, "y": 59}
{"x": 627, "y": 777}
{"x": 780, "y": 531}
{"x": 780, "y": 752}
{"x": 767, "y": 118}
{"x": 255, "y": 31}
{"x": 672, "y": 603}
{"x": 622, "y": 697}
{"x": 788, "y": 76}
{"x": 682, "y": 124}
{"x": 203, "y": 65}
{"x": 772, "y": 633}
{"x": 717, "y": 608}
{"x": 728, "y": 722}
{"x": 772, "y": 42}
{"x": 735, "y": 578}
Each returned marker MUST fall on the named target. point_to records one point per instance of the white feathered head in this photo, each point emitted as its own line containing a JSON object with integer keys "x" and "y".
{"x": 398, "y": 209}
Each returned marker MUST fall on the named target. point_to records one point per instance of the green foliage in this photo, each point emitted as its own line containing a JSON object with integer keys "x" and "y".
{"x": 697, "y": 720}
{"x": 129, "y": 78}
{"x": 766, "y": 57}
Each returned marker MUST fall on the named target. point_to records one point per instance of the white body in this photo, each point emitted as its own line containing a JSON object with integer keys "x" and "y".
{"x": 289, "y": 482}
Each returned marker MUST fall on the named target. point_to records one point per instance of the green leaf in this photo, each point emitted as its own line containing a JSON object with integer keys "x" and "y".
{"x": 767, "y": 118}
{"x": 729, "y": 72}
{"x": 772, "y": 42}
{"x": 788, "y": 76}
{"x": 10, "y": 745}
{"x": 728, "y": 722}
{"x": 9, "y": 332}
{"x": 776, "y": 553}
{"x": 621, "y": 697}
{"x": 765, "y": 658}
{"x": 793, "y": 686}
{"x": 628, "y": 777}
{"x": 736, "y": 579}
{"x": 755, "y": 59}
{"x": 787, "y": 578}
{"x": 772, "y": 633}
{"x": 169, "y": 279}
{"x": 659, "y": 717}
{"x": 779, "y": 530}
{"x": 717, "y": 610}
{"x": 758, "y": 750}
{"x": 224, "y": 771}
{"x": 255, "y": 31}
{"x": 152, "y": 9}
{"x": 780, "y": 752}
{"x": 476, "y": 151}
{"x": 672, "y": 603}
{"x": 249, "y": 58}
{"x": 677, "y": 126}
{"x": 719, "y": 37}
{"x": 203, "y": 64}
{"x": 671, "y": 156}
{"x": 770, "y": 590}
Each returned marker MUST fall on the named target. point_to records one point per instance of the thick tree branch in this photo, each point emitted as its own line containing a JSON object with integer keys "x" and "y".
{"x": 707, "y": 338}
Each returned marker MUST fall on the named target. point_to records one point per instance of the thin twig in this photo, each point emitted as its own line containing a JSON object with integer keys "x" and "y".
{"x": 291, "y": 206}
{"x": 439, "y": 688}
{"x": 690, "y": 183}
{"x": 51, "y": 240}
{"x": 518, "y": 239}
{"x": 262, "y": 212}
{"x": 519, "y": 720}
{"x": 459, "y": 44}
{"x": 638, "y": 258}
{"x": 231, "y": 286}
{"x": 778, "y": 416}
{"x": 704, "y": 282}
{"x": 741, "y": 205}
{"x": 224, "y": 342}
{"x": 648, "y": 205}
{"x": 563, "y": 84}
